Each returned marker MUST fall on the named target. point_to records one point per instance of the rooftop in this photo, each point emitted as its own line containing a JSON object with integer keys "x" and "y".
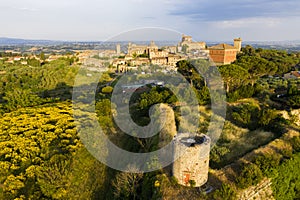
{"x": 296, "y": 73}
{"x": 190, "y": 141}
{"x": 222, "y": 46}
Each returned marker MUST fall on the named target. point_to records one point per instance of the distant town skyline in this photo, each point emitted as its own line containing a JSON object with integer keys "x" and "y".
{"x": 98, "y": 20}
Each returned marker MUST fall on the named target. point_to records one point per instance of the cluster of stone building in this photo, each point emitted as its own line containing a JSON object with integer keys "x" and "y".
{"x": 138, "y": 55}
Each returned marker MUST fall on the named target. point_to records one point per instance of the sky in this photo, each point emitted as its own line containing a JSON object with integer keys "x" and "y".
{"x": 98, "y": 20}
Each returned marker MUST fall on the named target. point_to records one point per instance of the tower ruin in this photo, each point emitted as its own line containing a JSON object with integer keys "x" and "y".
{"x": 192, "y": 164}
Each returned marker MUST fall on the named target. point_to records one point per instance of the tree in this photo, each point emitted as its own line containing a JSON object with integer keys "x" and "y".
{"x": 36, "y": 135}
{"x": 13, "y": 185}
{"x": 202, "y": 67}
{"x": 257, "y": 67}
{"x": 188, "y": 70}
{"x": 233, "y": 76}
{"x": 104, "y": 113}
{"x": 34, "y": 62}
{"x": 248, "y": 51}
{"x": 266, "y": 116}
{"x": 294, "y": 101}
{"x": 217, "y": 153}
{"x": 126, "y": 184}
{"x": 292, "y": 90}
{"x": 245, "y": 115}
{"x": 42, "y": 56}
{"x": 54, "y": 177}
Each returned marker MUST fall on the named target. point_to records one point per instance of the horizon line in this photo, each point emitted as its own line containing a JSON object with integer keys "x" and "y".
{"x": 158, "y": 40}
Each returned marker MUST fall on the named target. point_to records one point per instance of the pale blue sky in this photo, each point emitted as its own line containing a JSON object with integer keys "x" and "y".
{"x": 209, "y": 20}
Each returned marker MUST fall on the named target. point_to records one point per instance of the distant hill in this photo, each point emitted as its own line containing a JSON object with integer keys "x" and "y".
{"x": 17, "y": 41}
{"x": 282, "y": 45}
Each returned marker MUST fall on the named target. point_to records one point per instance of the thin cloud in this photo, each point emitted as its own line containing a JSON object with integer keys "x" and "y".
{"x": 26, "y": 9}
{"x": 246, "y": 22}
{"x": 149, "y": 18}
{"x": 235, "y": 9}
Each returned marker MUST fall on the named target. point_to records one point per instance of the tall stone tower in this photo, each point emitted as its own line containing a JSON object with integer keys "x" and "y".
{"x": 191, "y": 167}
{"x": 168, "y": 131}
{"x": 129, "y": 48}
{"x": 118, "y": 49}
{"x": 238, "y": 44}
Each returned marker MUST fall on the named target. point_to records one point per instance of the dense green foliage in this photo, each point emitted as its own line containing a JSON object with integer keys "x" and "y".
{"x": 23, "y": 86}
{"x": 226, "y": 192}
{"x": 41, "y": 156}
{"x": 250, "y": 175}
{"x": 253, "y": 117}
{"x": 282, "y": 61}
{"x": 286, "y": 183}
{"x": 293, "y": 95}
{"x": 241, "y": 77}
{"x": 284, "y": 173}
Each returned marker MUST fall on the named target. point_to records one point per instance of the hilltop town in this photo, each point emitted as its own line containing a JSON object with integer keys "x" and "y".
{"x": 134, "y": 55}
{"x": 137, "y": 55}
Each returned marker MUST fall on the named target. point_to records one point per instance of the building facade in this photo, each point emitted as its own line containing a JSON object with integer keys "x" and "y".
{"x": 168, "y": 56}
{"x": 187, "y": 44}
{"x": 223, "y": 54}
{"x": 138, "y": 55}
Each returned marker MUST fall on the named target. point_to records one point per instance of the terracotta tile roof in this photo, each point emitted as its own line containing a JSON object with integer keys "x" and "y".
{"x": 222, "y": 46}
{"x": 296, "y": 74}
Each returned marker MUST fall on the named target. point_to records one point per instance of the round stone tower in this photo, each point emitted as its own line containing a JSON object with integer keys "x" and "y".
{"x": 192, "y": 163}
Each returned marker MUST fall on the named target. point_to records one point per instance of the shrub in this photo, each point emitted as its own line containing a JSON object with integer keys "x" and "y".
{"x": 295, "y": 141}
{"x": 250, "y": 175}
{"x": 294, "y": 101}
{"x": 226, "y": 192}
{"x": 107, "y": 90}
{"x": 267, "y": 162}
{"x": 245, "y": 115}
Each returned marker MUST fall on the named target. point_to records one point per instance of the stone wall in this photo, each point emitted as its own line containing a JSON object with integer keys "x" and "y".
{"x": 293, "y": 115}
{"x": 262, "y": 191}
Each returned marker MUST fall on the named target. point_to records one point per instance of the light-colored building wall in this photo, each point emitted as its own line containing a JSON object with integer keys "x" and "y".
{"x": 159, "y": 61}
{"x": 139, "y": 61}
{"x": 158, "y": 53}
{"x": 173, "y": 59}
{"x": 190, "y": 44}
